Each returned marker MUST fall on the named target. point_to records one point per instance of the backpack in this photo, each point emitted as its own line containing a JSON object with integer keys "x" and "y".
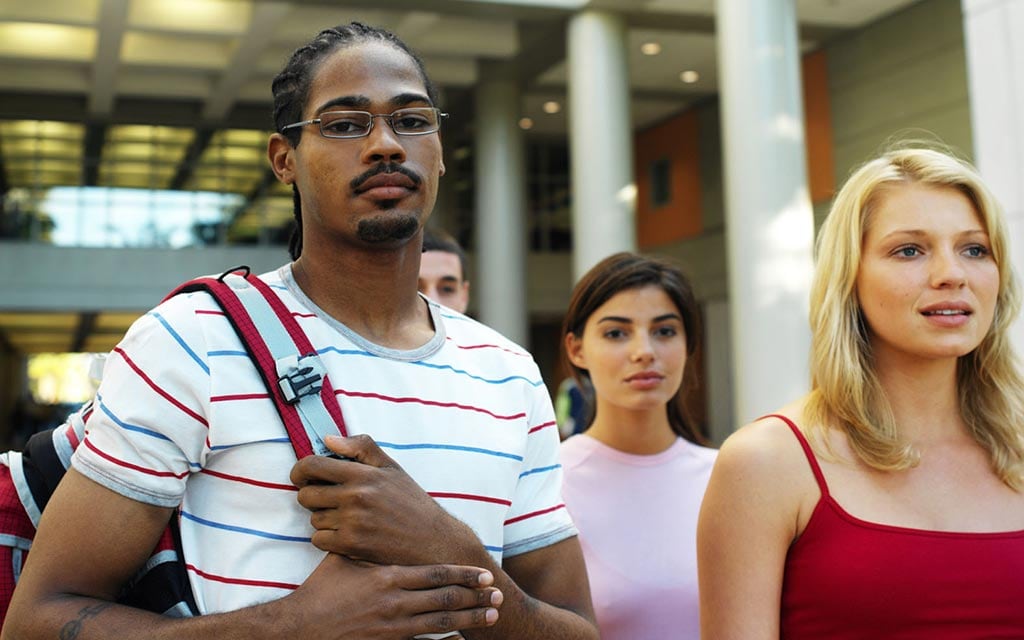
{"x": 297, "y": 383}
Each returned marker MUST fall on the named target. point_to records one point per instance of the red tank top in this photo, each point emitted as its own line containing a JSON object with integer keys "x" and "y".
{"x": 846, "y": 578}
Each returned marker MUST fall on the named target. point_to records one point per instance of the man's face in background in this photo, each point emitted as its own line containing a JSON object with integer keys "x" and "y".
{"x": 441, "y": 279}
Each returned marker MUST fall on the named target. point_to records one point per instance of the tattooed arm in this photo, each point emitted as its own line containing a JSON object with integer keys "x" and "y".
{"x": 92, "y": 540}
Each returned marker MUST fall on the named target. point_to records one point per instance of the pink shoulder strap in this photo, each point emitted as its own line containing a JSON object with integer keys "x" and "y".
{"x": 818, "y": 475}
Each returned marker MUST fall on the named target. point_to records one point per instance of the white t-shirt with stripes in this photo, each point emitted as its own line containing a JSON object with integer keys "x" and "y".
{"x": 182, "y": 418}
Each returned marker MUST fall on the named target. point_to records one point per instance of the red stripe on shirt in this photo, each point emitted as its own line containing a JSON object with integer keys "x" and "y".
{"x": 489, "y": 346}
{"x": 541, "y": 426}
{"x": 239, "y": 396}
{"x": 160, "y": 391}
{"x": 429, "y": 403}
{"x": 469, "y": 496}
{"x": 135, "y": 467}
{"x": 250, "y": 481}
{"x": 242, "y": 581}
{"x": 72, "y": 437}
{"x": 527, "y": 516}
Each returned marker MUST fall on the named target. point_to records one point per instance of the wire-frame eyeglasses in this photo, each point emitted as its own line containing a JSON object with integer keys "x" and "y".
{"x": 413, "y": 121}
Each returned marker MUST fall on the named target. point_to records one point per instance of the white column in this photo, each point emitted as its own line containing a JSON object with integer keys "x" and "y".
{"x": 600, "y": 135}
{"x": 500, "y": 285}
{"x": 995, "y": 73}
{"x": 769, "y": 220}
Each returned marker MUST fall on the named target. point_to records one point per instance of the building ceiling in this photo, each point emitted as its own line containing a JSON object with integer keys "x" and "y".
{"x": 175, "y": 94}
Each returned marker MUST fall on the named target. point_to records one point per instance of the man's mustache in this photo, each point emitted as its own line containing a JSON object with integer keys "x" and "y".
{"x": 385, "y": 167}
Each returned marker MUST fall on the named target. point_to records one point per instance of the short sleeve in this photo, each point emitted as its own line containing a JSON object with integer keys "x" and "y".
{"x": 149, "y": 428}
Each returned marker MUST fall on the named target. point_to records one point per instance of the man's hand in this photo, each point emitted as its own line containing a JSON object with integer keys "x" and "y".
{"x": 368, "y": 508}
{"x": 344, "y": 599}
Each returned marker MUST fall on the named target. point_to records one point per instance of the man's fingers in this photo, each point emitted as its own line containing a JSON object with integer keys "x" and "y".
{"x": 326, "y": 470}
{"x": 446, "y": 621}
{"x": 361, "y": 448}
{"x": 442, "y": 575}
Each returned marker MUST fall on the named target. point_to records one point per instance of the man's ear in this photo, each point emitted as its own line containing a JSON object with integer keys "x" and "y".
{"x": 441, "y": 173}
{"x": 282, "y": 158}
{"x": 574, "y": 350}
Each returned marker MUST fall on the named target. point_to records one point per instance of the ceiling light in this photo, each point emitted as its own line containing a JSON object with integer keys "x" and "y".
{"x": 525, "y": 123}
{"x": 689, "y": 76}
{"x": 650, "y": 48}
{"x": 552, "y": 107}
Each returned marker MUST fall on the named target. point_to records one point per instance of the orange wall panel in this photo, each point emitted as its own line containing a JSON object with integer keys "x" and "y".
{"x": 677, "y": 141}
{"x": 818, "y": 121}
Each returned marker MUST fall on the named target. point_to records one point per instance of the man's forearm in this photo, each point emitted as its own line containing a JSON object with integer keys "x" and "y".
{"x": 341, "y": 600}
{"x": 80, "y": 618}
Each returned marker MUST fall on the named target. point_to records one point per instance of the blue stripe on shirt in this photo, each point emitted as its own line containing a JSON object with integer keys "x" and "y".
{"x": 236, "y": 529}
{"x": 181, "y": 341}
{"x": 450, "y": 447}
{"x": 540, "y": 470}
{"x": 429, "y": 365}
{"x": 221, "y": 447}
{"x": 136, "y": 428}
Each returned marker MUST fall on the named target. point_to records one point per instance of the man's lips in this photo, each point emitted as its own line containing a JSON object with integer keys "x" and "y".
{"x": 391, "y": 182}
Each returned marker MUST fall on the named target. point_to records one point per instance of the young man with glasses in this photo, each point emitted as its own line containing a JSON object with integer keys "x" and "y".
{"x": 454, "y": 486}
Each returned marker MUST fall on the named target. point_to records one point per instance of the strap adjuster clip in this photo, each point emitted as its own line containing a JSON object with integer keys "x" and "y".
{"x": 299, "y": 382}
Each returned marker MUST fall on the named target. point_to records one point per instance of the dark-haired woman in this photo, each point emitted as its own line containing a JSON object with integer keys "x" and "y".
{"x": 635, "y": 478}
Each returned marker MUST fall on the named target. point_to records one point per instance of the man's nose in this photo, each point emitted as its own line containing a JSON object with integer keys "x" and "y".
{"x": 382, "y": 143}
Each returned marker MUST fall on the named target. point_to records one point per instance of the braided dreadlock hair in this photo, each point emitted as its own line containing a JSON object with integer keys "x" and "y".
{"x": 291, "y": 89}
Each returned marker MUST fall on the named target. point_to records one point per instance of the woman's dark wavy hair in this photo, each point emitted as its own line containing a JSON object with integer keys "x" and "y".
{"x": 291, "y": 89}
{"x": 622, "y": 272}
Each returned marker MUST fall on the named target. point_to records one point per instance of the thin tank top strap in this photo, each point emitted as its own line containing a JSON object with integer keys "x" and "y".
{"x": 818, "y": 475}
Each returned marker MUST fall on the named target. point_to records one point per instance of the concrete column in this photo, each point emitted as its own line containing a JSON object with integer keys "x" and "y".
{"x": 601, "y": 142}
{"x": 769, "y": 220}
{"x": 995, "y": 73}
{"x": 500, "y": 285}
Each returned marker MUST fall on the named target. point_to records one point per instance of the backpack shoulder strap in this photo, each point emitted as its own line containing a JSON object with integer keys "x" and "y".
{"x": 291, "y": 369}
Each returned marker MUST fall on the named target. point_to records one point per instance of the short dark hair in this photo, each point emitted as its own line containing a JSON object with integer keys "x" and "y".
{"x": 622, "y": 272}
{"x": 291, "y": 89}
{"x": 440, "y": 240}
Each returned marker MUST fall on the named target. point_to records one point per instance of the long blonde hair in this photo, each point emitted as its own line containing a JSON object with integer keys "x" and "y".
{"x": 846, "y": 392}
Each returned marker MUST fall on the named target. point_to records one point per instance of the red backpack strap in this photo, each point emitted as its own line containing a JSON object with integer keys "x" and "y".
{"x": 291, "y": 369}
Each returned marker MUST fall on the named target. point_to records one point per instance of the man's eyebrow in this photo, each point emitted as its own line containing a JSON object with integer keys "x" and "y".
{"x": 404, "y": 99}
{"x": 363, "y": 102}
{"x": 351, "y": 102}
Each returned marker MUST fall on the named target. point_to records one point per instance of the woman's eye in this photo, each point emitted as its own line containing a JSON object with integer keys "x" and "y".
{"x": 614, "y": 333}
{"x": 977, "y": 251}
{"x": 907, "y": 252}
{"x": 667, "y": 332}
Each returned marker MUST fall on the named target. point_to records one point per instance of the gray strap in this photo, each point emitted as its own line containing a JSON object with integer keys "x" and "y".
{"x": 299, "y": 375}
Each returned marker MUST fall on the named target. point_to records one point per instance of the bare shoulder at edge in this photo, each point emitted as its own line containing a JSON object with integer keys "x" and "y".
{"x": 766, "y": 458}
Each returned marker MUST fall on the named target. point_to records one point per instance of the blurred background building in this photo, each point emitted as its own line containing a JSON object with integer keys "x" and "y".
{"x": 133, "y": 136}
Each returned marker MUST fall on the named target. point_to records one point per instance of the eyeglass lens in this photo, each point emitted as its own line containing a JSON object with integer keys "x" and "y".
{"x": 353, "y": 124}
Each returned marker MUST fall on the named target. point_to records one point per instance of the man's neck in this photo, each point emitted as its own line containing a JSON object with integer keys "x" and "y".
{"x": 371, "y": 292}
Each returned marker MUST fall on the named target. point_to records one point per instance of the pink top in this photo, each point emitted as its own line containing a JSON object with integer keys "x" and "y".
{"x": 637, "y": 518}
{"x": 846, "y": 578}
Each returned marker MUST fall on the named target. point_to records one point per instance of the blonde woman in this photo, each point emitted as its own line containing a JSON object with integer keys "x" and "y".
{"x": 888, "y": 502}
